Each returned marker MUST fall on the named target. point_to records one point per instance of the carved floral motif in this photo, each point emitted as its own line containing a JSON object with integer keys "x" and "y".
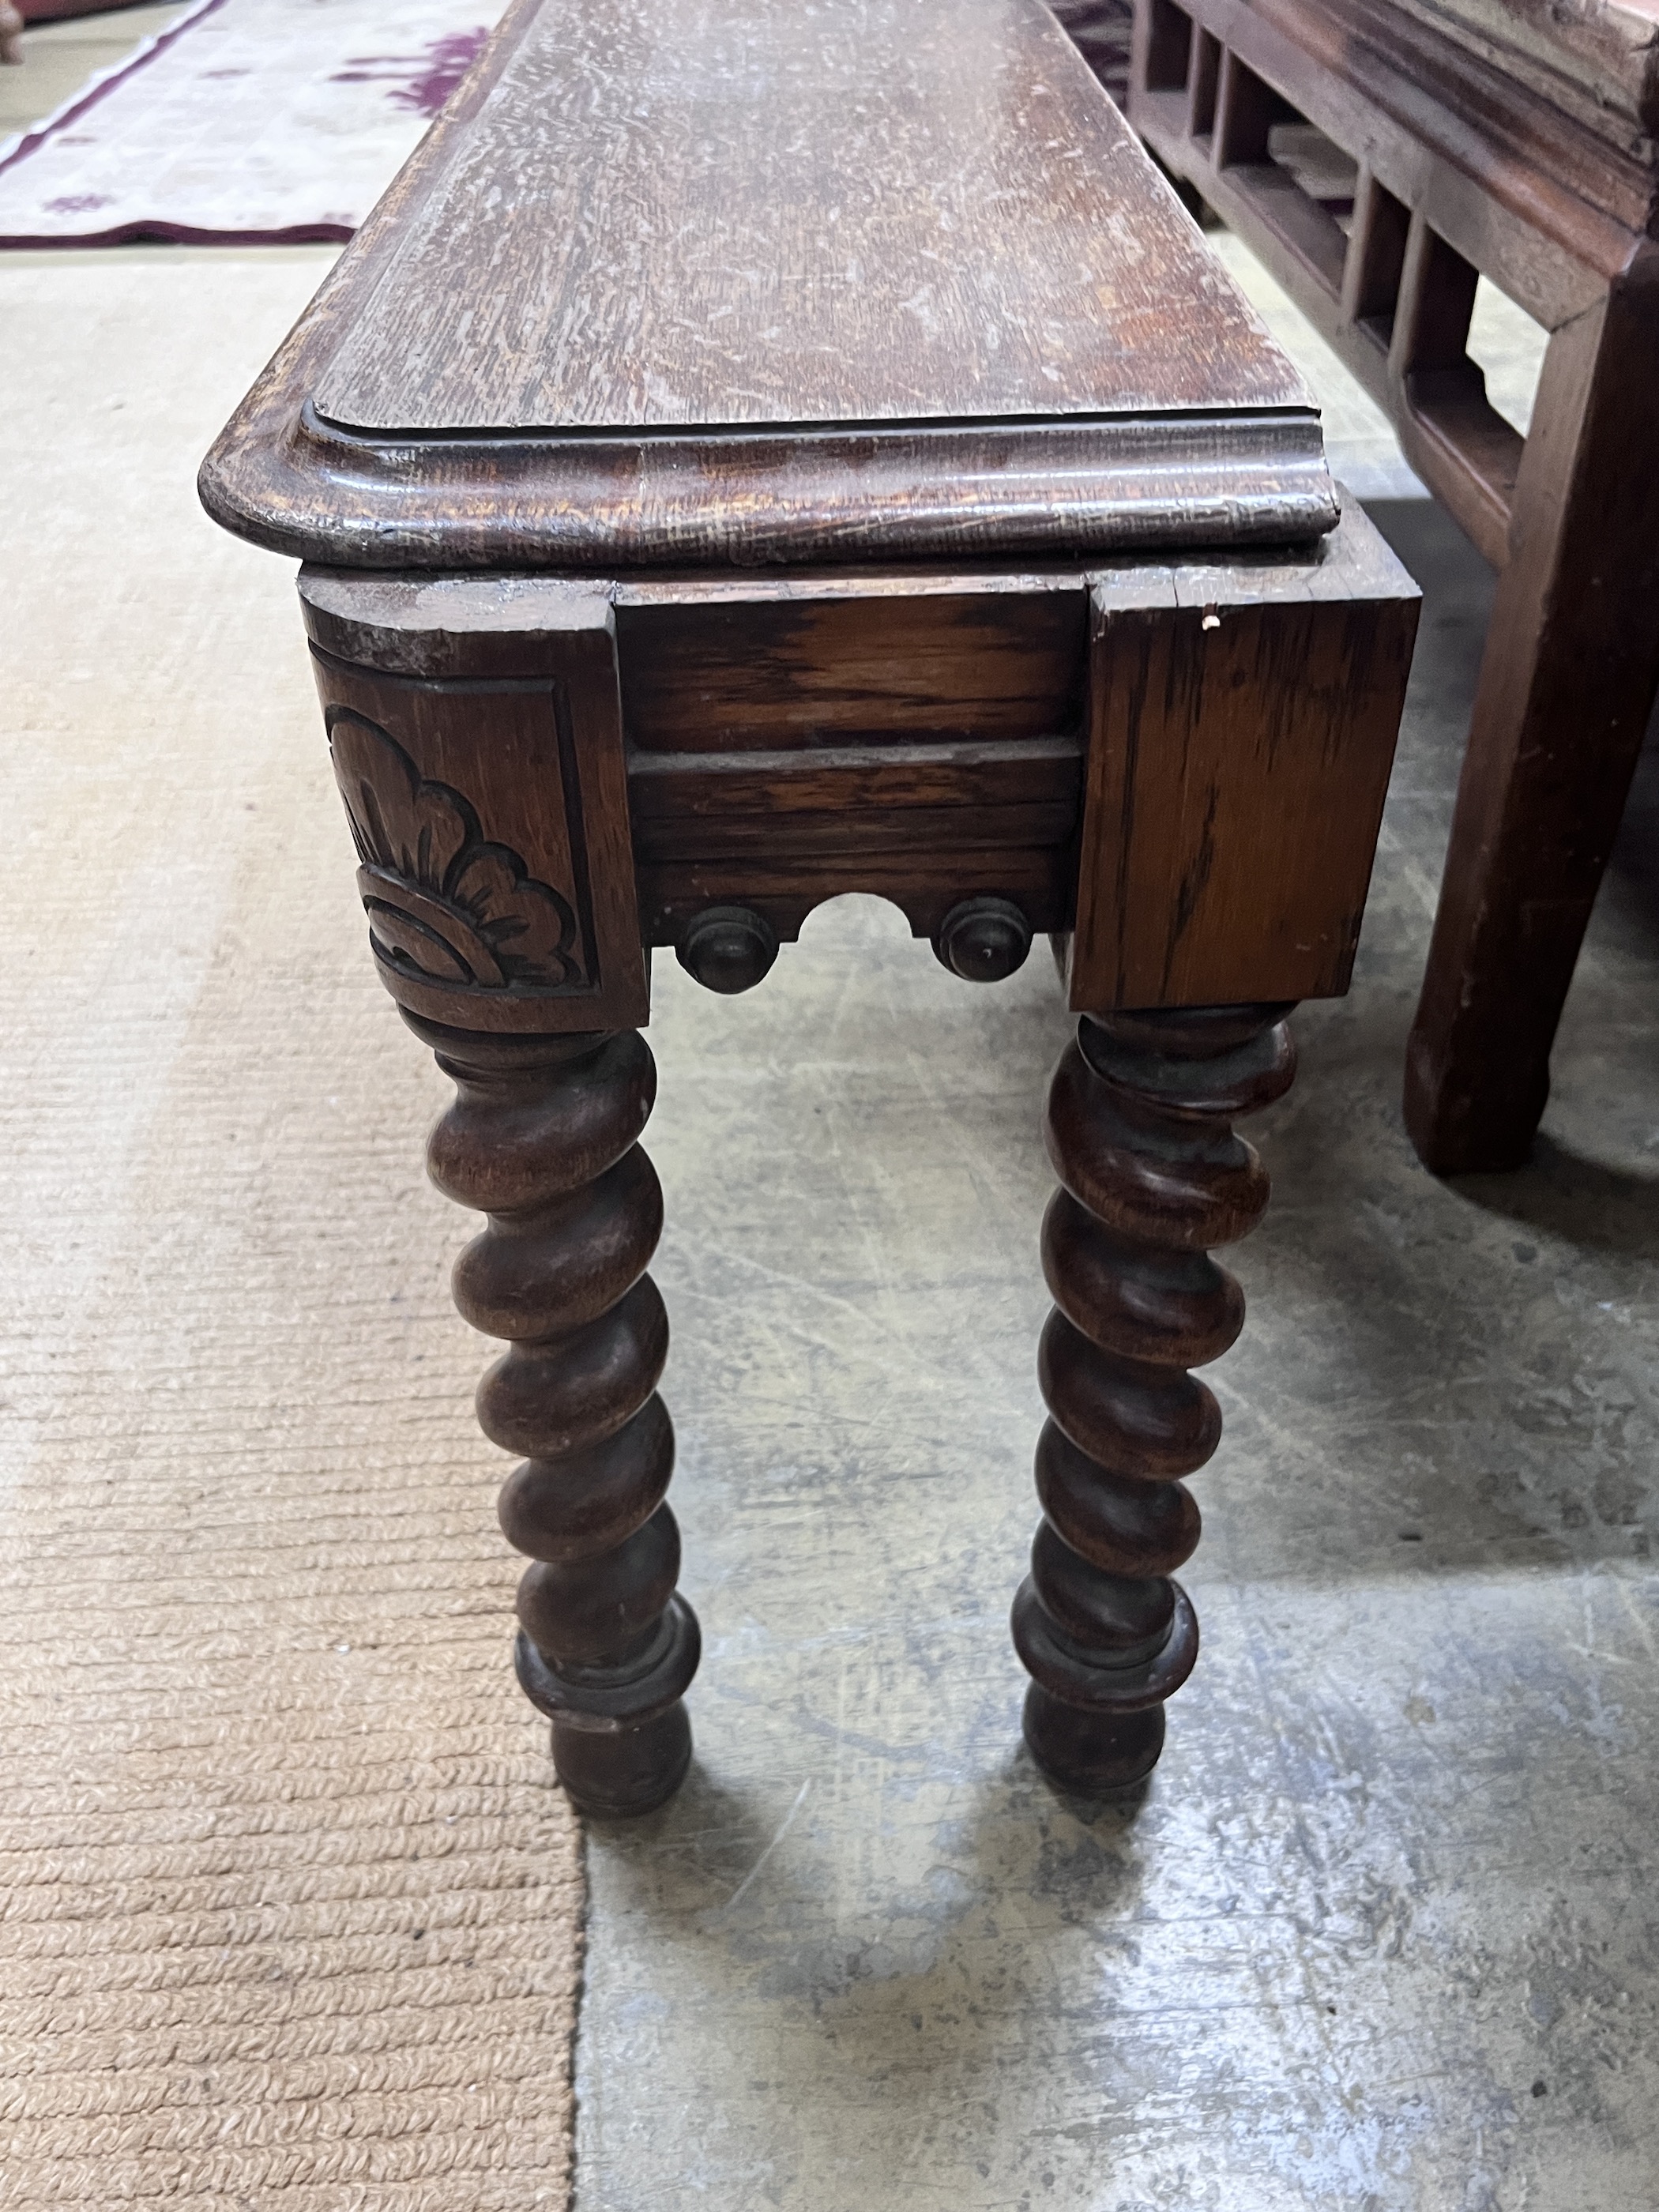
{"x": 442, "y": 899}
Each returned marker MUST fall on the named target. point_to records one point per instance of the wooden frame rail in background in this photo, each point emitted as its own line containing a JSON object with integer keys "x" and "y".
{"x": 1459, "y": 166}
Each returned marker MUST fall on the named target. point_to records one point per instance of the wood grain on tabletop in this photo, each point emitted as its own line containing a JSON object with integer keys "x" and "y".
{"x": 675, "y": 212}
{"x": 672, "y": 286}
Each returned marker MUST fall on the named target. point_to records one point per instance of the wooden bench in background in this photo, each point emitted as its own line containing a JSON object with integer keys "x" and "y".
{"x": 1513, "y": 139}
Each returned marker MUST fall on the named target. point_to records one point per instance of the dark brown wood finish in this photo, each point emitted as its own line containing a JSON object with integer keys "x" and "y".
{"x": 983, "y": 659}
{"x": 1151, "y": 1177}
{"x": 1181, "y": 769}
{"x": 557, "y": 751}
{"x": 1518, "y": 142}
{"x": 1101, "y": 32}
{"x": 928, "y": 232}
{"x": 1187, "y": 764}
{"x": 498, "y": 876}
{"x": 1242, "y": 727}
{"x": 955, "y": 346}
{"x": 1567, "y": 683}
{"x": 542, "y": 1137}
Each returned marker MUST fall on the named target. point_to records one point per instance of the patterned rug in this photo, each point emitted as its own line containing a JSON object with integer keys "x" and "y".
{"x": 290, "y": 1907}
{"x": 245, "y": 122}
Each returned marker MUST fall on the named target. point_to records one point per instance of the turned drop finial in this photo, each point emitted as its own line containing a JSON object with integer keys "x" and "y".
{"x": 983, "y": 939}
{"x": 728, "y": 948}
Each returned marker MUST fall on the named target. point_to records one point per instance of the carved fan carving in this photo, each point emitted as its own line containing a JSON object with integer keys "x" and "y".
{"x": 442, "y": 899}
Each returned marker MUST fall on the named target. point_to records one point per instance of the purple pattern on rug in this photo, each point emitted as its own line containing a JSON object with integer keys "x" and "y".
{"x": 428, "y": 78}
{"x": 422, "y": 83}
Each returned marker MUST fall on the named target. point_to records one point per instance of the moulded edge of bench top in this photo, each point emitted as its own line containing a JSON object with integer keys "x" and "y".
{"x": 698, "y": 280}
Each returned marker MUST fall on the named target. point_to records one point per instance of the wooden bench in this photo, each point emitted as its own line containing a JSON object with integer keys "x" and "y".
{"x": 751, "y": 456}
{"x": 1516, "y": 140}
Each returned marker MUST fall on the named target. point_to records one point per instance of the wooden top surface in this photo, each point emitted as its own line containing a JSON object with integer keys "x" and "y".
{"x": 723, "y": 282}
{"x": 717, "y": 212}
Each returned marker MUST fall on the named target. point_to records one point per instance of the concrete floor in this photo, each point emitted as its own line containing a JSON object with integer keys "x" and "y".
{"x": 1382, "y": 1933}
{"x": 1379, "y": 1937}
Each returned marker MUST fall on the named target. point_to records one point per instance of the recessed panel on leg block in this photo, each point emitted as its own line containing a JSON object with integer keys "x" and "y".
{"x": 1243, "y": 718}
{"x": 489, "y": 809}
{"x": 915, "y": 734}
{"x": 904, "y": 658}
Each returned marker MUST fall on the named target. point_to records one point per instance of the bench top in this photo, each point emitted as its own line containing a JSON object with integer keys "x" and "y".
{"x": 726, "y": 281}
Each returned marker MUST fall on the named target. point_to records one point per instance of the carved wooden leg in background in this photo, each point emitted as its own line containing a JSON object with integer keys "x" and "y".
{"x": 542, "y": 1137}
{"x": 1566, "y": 687}
{"x": 1139, "y": 1129}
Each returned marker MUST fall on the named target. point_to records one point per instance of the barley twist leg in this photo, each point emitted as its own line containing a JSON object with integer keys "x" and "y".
{"x": 1139, "y": 1131}
{"x": 542, "y": 1137}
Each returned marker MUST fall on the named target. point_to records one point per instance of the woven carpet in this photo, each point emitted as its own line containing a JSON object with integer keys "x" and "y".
{"x": 290, "y": 1909}
{"x": 244, "y": 122}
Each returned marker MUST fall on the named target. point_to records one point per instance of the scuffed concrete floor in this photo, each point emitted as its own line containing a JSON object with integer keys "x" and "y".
{"x": 1380, "y": 1935}
{"x": 1383, "y": 1934}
